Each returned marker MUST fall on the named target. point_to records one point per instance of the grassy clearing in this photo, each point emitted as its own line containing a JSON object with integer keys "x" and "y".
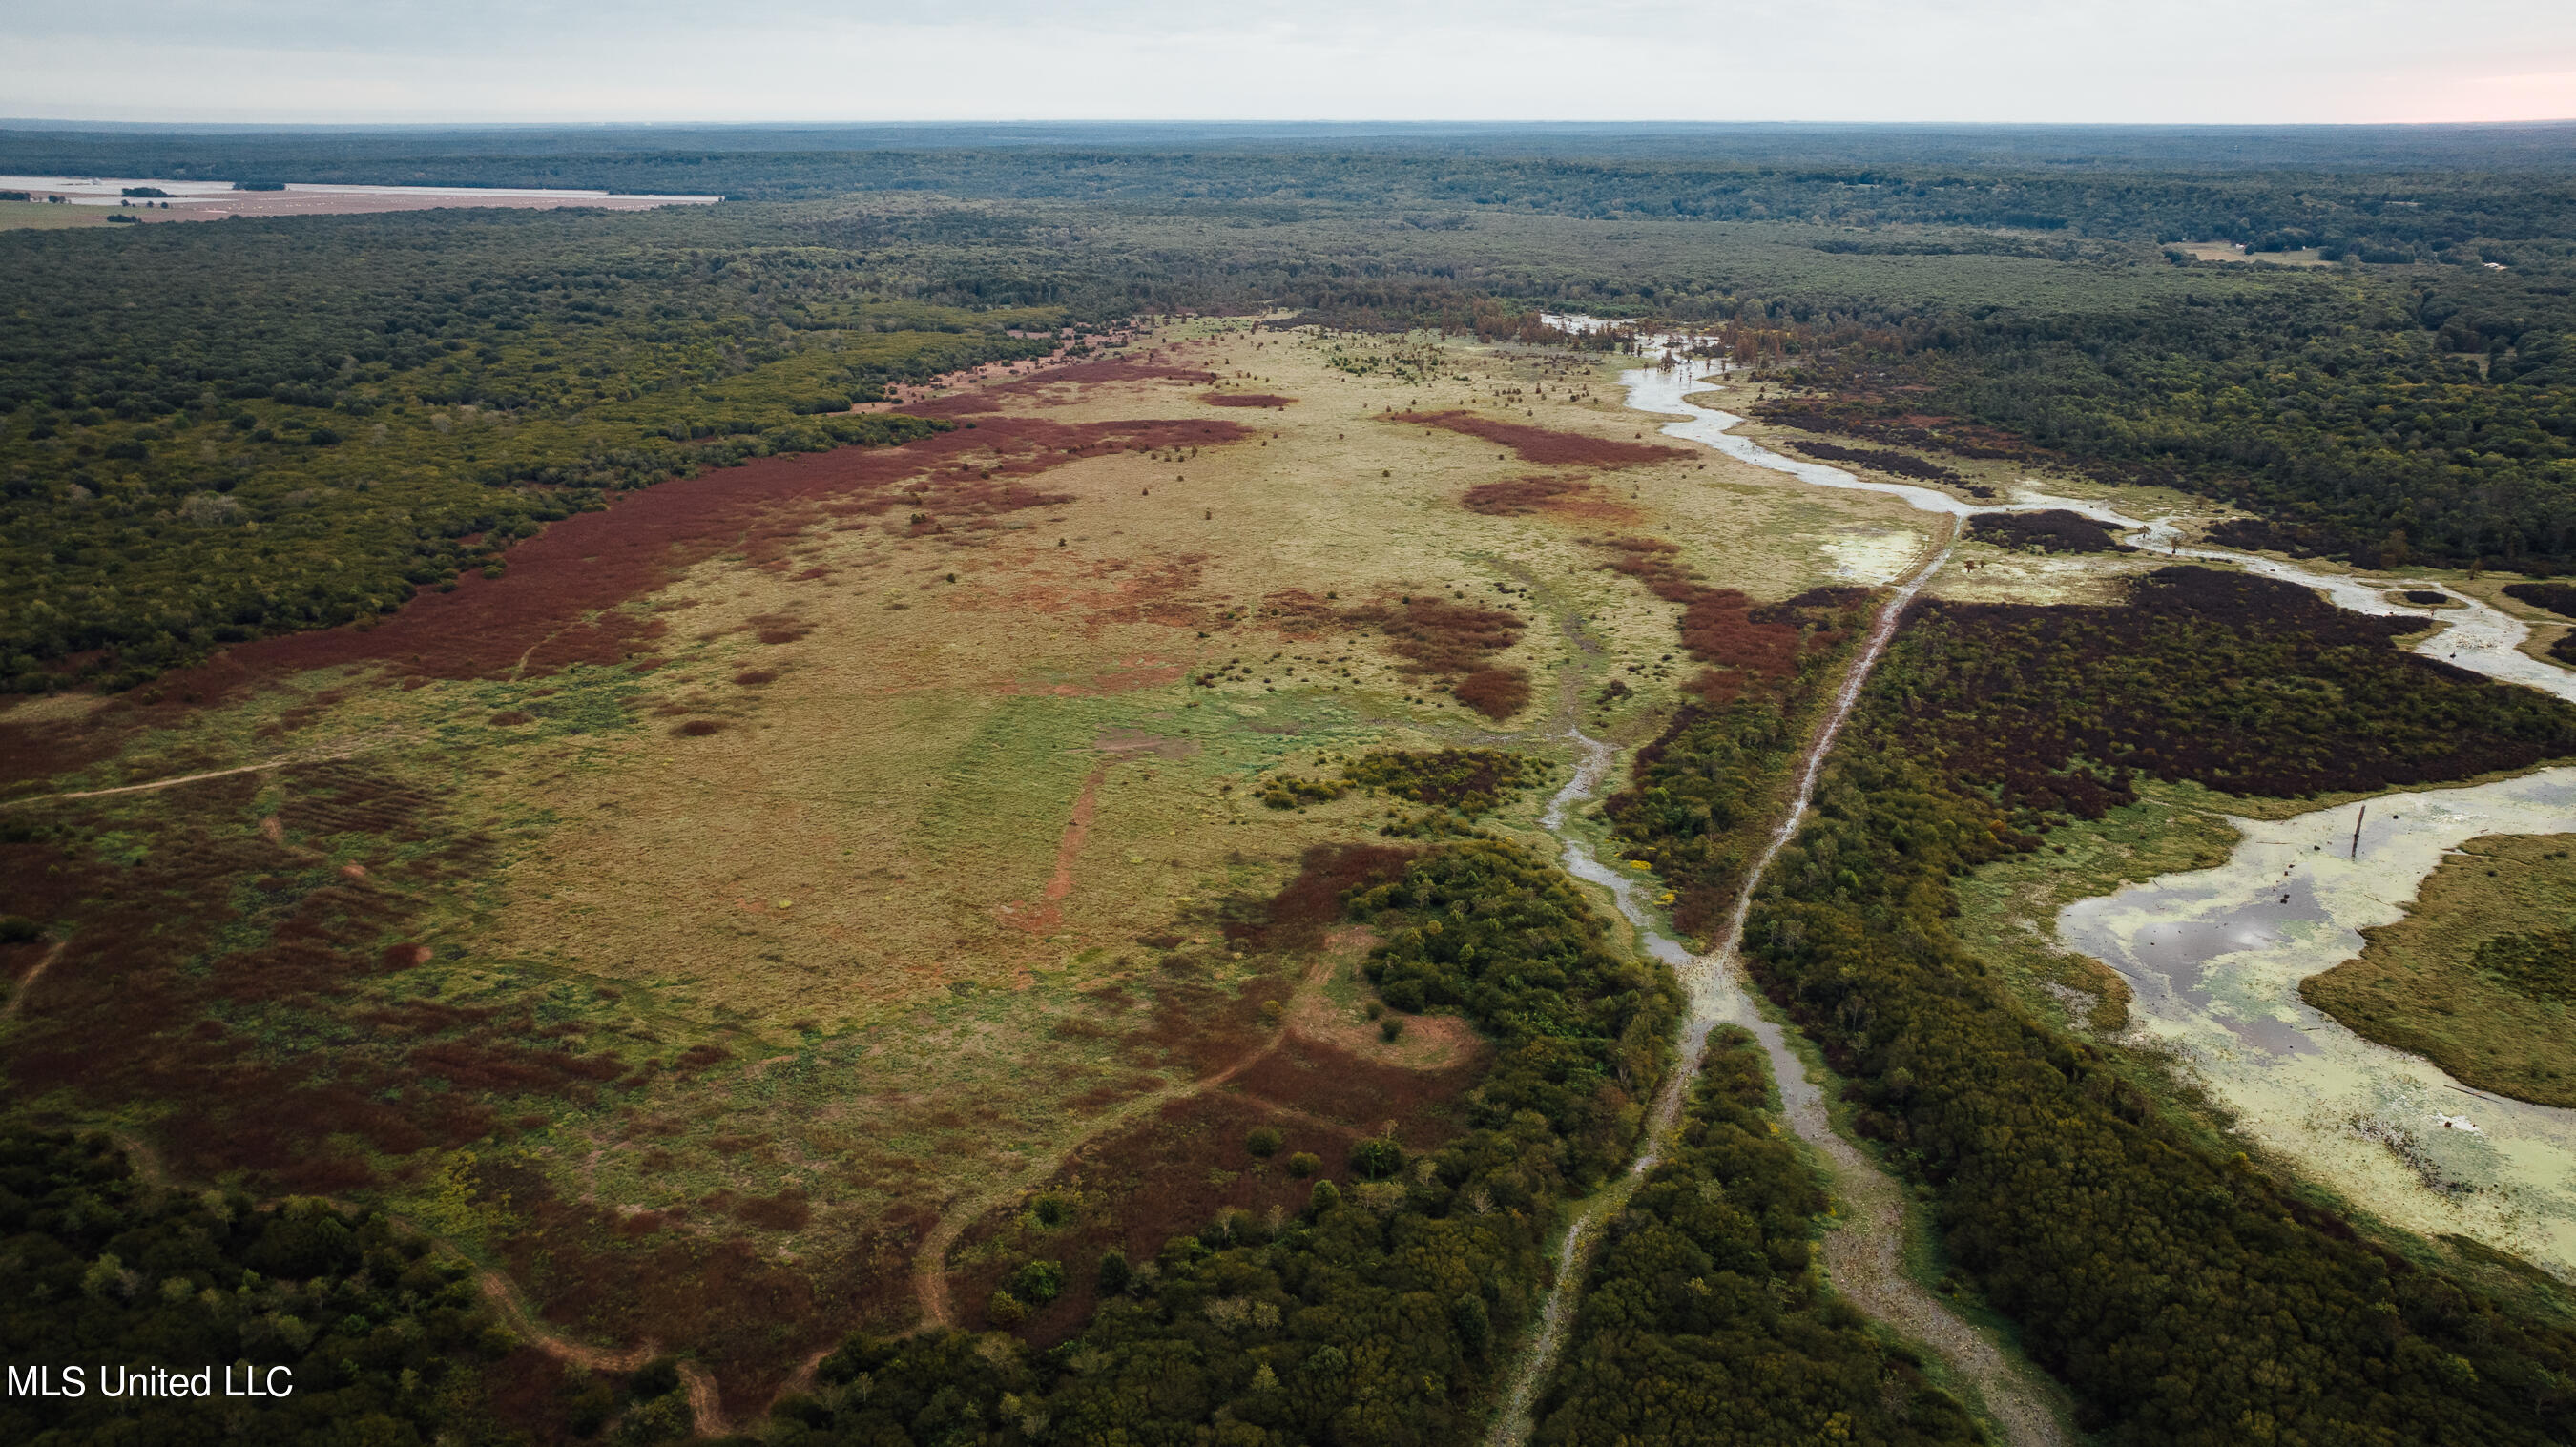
{"x": 40, "y": 215}
{"x": 2423, "y": 984}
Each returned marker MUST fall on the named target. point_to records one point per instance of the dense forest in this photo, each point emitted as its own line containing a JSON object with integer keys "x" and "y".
{"x": 1703, "y": 1320}
{"x": 362, "y": 1334}
{"x": 2183, "y": 1296}
{"x": 2432, "y": 420}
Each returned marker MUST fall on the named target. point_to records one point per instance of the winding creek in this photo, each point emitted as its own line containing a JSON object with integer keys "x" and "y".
{"x": 2214, "y": 958}
{"x": 1862, "y": 1258}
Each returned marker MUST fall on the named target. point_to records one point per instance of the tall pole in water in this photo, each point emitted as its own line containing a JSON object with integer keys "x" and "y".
{"x": 2356, "y": 830}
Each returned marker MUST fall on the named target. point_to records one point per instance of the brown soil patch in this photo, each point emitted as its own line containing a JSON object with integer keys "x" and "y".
{"x": 1546, "y": 446}
{"x": 1244, "y": 399}
{"x": 1049, "y": 914}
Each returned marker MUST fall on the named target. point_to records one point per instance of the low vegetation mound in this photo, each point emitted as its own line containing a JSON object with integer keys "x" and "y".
{"x": 1543, "y": 445}
{"x": 2558, "y": 598}
{"x": 2054, "y": 530}
{"x": 1897, "y": 464}
{"x": 2244, "y": 684}
{"x": 2480, "y": 974}
{"x": 2540, "y": 965}
{"x": 1244, "y": 399}
{"x": 1468, "y": 781}
{"x": 1704, "y": 1320}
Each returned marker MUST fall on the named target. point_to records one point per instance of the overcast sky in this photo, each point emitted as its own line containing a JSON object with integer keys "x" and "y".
{"x": 859, "y": 60}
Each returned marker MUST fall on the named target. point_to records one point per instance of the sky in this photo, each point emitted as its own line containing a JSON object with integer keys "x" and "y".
{"x": 2215, "y": 61}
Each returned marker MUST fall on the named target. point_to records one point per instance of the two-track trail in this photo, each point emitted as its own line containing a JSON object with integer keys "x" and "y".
{"x": 1863, "y": 1258}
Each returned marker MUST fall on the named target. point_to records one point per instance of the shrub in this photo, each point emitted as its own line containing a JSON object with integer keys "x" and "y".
{"x": 1304, "y": 1164}
{"x": 1376, "y": 1159}
{"x": 1264, "y": 1141}
{"x": 1037, "y": 1282}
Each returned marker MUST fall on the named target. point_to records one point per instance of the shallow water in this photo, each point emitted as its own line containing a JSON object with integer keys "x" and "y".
{"x": 2215, "y": 957}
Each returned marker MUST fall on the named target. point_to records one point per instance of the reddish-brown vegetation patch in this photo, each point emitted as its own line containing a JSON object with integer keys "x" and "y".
{"x": 1758, "y": 645}
{"x": 1456, "y": 641}
{"x": 1451, "y": 641}
{"x": 2052, "y": 530}
{"x": 2247, "y": 684}
{"x": 697, "y": 728}
{"x": 1562, "y": 496}
{"x": 33, "y": 750}
{"x": 1296, "y": 917}
{"x": 1546, "y": 446}
{"x": 1040, "y": 387}
{"x": 1900, "y": 464}
{"x": 749, "y": 1317}
{"x": 232, "y": 926}
{"x": 1494, "y": 692}
{"x": 1244, "y": 399}
{"x": 1878, "y": 417}
{"x": 560, "y": 600}
{"x": 779, "y": 628}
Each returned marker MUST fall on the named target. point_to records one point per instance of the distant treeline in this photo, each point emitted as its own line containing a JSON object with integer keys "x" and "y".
{"x": 2387, "y": 195}
{"x": 2384, "y": 423}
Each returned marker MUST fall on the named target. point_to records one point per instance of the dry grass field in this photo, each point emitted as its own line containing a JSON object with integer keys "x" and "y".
{"x": 730, "y": 921}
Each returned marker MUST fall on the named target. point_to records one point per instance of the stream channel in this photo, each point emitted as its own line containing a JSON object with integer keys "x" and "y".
{"x": 2213, "y": 957}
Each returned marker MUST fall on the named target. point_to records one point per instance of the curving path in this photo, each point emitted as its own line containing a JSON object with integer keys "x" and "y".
{"x": 930, "y": 1262}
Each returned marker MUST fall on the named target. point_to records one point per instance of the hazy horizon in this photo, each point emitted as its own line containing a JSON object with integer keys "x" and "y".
{"x": 658, "y": 62}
